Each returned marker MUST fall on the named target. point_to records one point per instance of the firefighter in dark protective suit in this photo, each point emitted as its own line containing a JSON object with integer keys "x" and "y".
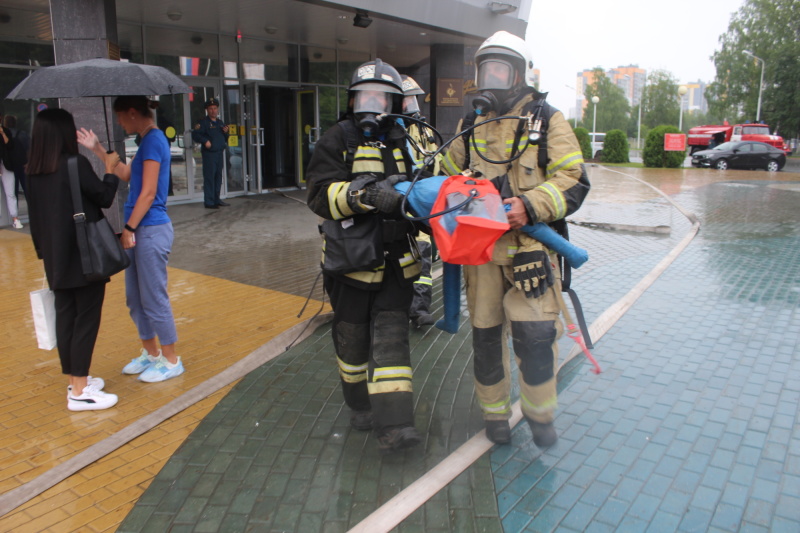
{"x": 212, "y": 135}
{"x": 538, "y": 168}
{"x": 368, "y": 265}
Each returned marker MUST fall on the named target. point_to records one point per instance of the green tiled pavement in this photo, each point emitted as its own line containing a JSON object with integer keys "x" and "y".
{"x": 278, "y": 454}
{"x": 691, "y": 426}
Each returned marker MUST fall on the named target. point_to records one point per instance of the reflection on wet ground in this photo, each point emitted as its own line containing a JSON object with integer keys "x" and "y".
{"x": 691, "y": 426}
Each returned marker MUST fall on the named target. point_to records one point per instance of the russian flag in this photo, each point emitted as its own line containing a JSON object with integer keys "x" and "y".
{"x": 190, "y": 66}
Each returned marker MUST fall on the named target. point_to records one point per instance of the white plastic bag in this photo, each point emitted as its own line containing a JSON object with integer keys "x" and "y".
{"x": 43, "y": 305}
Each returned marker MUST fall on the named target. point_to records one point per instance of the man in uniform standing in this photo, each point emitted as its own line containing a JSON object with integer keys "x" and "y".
{"x": 368, "y": 267}
{"x": 212, "y": 135}
{"x": 538, "y": 167}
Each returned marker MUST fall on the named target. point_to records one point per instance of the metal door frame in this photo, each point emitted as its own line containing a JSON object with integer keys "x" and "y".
{"x": 314, "y": 134}
{"x": 253, "y": 137}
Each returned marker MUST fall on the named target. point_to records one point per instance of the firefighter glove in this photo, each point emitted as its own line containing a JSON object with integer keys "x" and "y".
{"x": 356, "y": 190}
{"x": 382, "y": 196}
{"x": 532, "y": 273}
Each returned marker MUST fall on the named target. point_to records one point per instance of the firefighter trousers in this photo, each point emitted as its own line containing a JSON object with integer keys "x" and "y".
{"x": 497, "y": 309}
{"x": 370, "y": 335}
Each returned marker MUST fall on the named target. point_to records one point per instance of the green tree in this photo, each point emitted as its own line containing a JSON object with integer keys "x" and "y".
{"x": 769, "y": 29}
{"x": 582, "y": 134}
{"x": 655, "y": 156}
{"x": 612, "y": 109}
{"x": 615, "y": 147}
{"x": 660, "y": 100}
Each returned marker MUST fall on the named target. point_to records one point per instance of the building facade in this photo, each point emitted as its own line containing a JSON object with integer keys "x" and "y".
{"x": 280, "y": 68}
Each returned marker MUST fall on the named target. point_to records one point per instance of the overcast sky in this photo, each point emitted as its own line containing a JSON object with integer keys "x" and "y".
{"x": 679, "y": 36}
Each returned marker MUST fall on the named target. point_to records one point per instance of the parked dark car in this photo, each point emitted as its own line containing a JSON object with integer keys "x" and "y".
{"x": 741, "y": 154}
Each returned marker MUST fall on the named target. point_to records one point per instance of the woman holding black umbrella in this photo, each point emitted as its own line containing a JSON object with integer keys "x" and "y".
{"x": 78, "y": 302}
{"x": 147, "y": 237}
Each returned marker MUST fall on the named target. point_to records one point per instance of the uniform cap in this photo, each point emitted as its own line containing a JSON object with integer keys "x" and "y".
{"x": 212, "y": 101}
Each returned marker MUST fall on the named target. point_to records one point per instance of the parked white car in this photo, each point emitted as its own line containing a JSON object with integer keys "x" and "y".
{"x": 175, "y": 152}
{"x": 597, "y": 139}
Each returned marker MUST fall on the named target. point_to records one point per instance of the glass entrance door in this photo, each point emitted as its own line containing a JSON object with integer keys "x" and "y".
{"x": 307, "y": 128}
{"x": 253, "y": 137}
{"x": 171, "y": 120}
{"x": 282, "y": 127}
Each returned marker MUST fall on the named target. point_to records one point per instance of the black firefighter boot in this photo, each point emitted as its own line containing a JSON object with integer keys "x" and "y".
{"x": 544, "y": 435}
{"x": 498, "y": 431}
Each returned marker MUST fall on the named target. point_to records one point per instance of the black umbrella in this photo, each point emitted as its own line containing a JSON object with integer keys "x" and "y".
{"x": 98, "y": 77}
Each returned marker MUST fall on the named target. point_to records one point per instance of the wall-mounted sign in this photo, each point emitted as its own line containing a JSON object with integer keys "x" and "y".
{"x": 450, "y": 92}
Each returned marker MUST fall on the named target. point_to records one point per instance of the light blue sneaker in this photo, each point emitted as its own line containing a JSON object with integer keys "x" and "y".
{"x": 141, "y": 363}
{"x": 161, "y": 371}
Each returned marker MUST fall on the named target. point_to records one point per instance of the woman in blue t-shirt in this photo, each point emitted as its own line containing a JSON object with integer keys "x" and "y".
{"x": 147, "y": 237}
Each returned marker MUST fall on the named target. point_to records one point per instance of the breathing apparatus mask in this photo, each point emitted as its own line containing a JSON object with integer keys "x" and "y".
{"x": 370, "y": 102}
{"x": 495, "y": 78}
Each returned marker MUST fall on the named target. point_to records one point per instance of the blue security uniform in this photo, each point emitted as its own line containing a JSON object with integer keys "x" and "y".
{"x": 213, "y": 158}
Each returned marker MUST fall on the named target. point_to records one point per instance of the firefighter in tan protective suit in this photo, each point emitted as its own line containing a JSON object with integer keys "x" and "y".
{"x": 420, "y": 147}
{"x": 538, "y": 167}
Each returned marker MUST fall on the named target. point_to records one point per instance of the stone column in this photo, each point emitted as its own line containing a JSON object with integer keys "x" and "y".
{"x": 447, "y": 63}
{"x": 87, "y": 29}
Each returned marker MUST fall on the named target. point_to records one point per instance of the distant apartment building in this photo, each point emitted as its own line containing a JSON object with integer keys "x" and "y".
{"x": 694, "y": 100}
{"x": 631, "y": 79}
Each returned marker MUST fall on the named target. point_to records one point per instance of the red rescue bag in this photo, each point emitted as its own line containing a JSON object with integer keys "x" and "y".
{"x": 467, "y": 235}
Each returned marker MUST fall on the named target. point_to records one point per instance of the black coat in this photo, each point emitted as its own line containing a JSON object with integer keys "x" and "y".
{"x": 7, "y": 150}
{"x": 52, "y": 228}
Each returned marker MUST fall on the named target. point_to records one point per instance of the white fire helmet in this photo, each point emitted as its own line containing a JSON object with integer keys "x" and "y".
{"x": 499, "y": 59}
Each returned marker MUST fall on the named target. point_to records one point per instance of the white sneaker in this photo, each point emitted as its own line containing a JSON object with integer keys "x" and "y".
{"x": 91, "y": 400}
{"x": 17, "y": 224}
{"x": 95, "y": 383}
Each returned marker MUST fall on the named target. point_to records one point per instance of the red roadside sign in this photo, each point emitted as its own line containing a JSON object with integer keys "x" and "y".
{"x": 675, "y": 142}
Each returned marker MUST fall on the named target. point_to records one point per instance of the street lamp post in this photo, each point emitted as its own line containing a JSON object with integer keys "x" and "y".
{"x": 577, "y": 107}
{"x": 595, "y": 99}
{"x": 761, "y": 85}
{"x": 682, "y": 90}
{"x": 639, "y": 127}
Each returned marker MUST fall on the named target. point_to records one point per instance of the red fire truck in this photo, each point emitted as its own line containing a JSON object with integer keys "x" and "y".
{"x": 705, "y": 137}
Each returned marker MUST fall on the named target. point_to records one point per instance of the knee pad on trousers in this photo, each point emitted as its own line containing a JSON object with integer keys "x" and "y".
{"x": 351, "y": 342}
{"x": 533, "y": 344}
{"x": 390, "y": 339}
{"x": 488, "y": 360}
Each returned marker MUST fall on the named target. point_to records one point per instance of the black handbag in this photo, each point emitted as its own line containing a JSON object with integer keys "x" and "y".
{"x": 352, "y": 245}
{"x": 102, "y": 254}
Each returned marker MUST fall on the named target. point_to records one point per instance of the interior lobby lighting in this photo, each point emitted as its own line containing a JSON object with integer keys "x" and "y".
{"x": 174, "y": 14}
{"x": 362, "y": 19}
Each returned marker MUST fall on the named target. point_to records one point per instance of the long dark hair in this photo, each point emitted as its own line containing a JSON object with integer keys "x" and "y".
{"x": 53, "y": 136}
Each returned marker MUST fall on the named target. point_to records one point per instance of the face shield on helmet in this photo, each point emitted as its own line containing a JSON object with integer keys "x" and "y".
{"x": 495, "y": 73}
{"x": 410, "y": 105}
{"x": 372, "y": 98}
